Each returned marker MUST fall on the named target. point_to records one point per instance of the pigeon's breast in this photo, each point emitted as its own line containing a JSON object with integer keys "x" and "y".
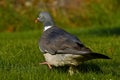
{"x": 62, "y": 59}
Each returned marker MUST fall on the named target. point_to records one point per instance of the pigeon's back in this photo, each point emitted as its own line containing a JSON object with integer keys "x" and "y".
{"x": 55, "y": 39}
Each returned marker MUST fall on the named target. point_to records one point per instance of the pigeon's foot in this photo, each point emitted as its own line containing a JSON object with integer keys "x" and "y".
{"x": 72, "y": 70}
{"x": 50, "y": 67}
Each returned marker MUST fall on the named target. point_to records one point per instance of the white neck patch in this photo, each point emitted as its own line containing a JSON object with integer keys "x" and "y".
{"x": 47, "y": 27}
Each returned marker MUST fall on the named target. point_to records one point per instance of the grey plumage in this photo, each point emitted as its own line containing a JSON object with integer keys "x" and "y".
{"x": 62, "y": 48}
{"x": 55, "y": 40}
{"x": 46, "y": 19}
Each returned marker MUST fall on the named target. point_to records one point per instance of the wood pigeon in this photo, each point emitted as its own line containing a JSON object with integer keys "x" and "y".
{"x": 61, "y": 48}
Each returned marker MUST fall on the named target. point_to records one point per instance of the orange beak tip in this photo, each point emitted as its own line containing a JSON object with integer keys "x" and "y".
{"x": 36, "y": 21}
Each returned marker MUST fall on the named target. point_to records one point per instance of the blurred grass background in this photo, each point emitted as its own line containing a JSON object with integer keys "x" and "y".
{"x": 95, "y": 22}
{"x": 19, "y": 15}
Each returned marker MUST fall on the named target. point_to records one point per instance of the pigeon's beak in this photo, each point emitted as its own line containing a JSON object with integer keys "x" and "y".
{"x": 37, "y": 20}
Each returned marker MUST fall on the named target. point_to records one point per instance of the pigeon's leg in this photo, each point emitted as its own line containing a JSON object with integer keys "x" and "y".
{"x": 50, "y": 67}
{"x": 72, "y": 70}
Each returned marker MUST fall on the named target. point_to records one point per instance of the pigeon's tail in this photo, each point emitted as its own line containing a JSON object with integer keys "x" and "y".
{"x": 90, "y": 55}
{"x": 99, "y": 56}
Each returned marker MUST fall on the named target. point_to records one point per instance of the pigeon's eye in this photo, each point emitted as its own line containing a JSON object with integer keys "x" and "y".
{"x": 39, "y": 16}
{"x": 42, "y": 17}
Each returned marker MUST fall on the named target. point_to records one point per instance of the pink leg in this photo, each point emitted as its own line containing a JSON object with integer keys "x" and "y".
{"x": 50, "y": 67}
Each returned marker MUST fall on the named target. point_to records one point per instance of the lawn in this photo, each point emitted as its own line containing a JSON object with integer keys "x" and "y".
{"x": 20, "y": 56}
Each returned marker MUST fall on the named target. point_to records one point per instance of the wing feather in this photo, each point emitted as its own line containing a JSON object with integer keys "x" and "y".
{"x": 56, "y": 39}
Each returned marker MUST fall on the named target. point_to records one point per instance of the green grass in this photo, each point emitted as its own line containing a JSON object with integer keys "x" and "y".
{"x": 20, "y": 56}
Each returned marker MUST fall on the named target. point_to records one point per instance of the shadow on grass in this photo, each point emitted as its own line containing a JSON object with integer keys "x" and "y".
{"x": 83, "y": 68}
{"x": 106, "y": 31}
{"x": 99, "y": 31}
{"x": 89, "y": 67}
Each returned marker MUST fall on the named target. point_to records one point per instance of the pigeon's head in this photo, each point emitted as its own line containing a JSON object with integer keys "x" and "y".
{"x": 45, "y": 18}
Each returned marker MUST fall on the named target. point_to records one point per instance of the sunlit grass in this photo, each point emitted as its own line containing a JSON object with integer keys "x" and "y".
{"x": 20, "y": 57}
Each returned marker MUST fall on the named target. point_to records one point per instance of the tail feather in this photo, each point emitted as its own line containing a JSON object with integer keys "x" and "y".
{"x": 100, "y": 56}
{"x": 88, "y": 54}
